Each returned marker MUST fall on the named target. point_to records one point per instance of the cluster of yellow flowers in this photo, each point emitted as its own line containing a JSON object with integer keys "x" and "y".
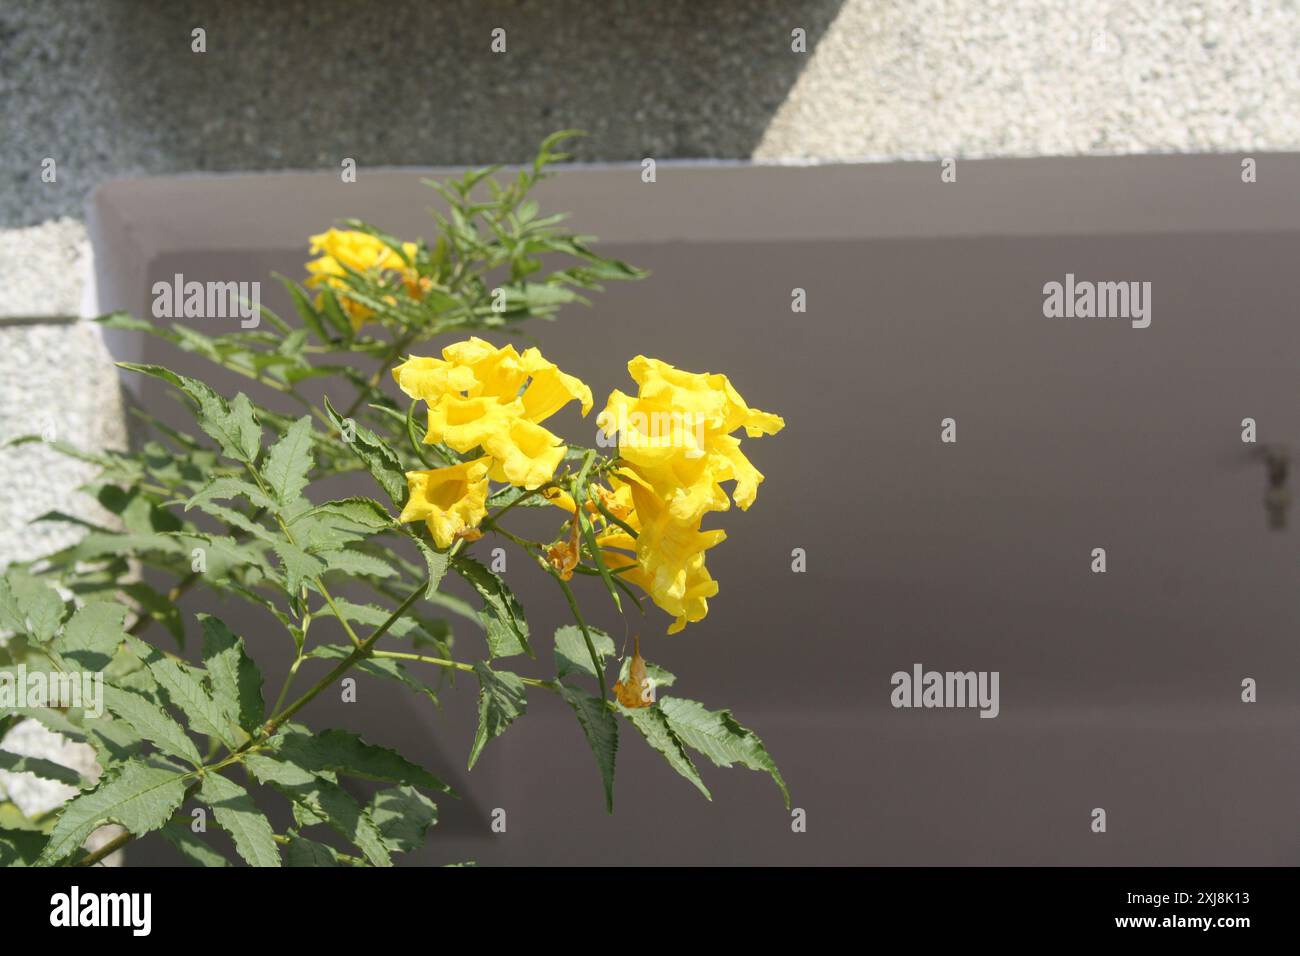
{"x": 481, "y": 396}
{"x": 363, "y": 253}
{"x": 676, "y": 447}
{"x": 676, "y": 443}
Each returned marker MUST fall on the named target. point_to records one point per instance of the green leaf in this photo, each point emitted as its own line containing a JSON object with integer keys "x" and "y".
{"x": 383, "y": 465}
{"x": 238, "y": 815}
{"x": 297, "y": 565}
{"x": 366, "y": 512}
{"x": 20, "y": 847}
{"x": 403, "y": 816}
{"x": 289, "y": 461}
{"x": 717, "y": 735}
{"x": 12, "y": 617}
{"x": 601, "y": 730}
{"x": 436, "y": 562}
{"x": 510, "y": 494}
{"x": 224, "y": 487}
{"x": 308, "y": 313}
{"x": 38, "y": 605}
{"x": 339, "y": 751}
{"x": 92, "y": 635}
{"x": 502, "y": 617}
{"x": 233, "y": 424}
{"x": 304, "y": 852}
{"x": 189, "y": 846}
{"x": 45, "y": 769}
{"x": 152, "y": 723}
{"x": 653, "y": 726}
{"x": 139, "y": 797}
{"x": 501, "y": 699}
{"x": 322, "y": 800}
{"x": 571, "y": 655}
{"x": 355, "y": 563}
{"x": 236, "y": 681}
{"x": 185, "y": 691}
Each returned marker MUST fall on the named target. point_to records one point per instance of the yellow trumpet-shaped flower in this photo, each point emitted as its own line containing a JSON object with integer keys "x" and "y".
{"x": 550, "y": 389}
{"x": 524, "y": 454}
{"x": 677, "y": 435}
{"x": 360, "y": 252}
{"x": 666, "y": 558}
{"x": 466, "y": 423}
{"x": 450, "y": 501}
{"x": 494, "y": 398}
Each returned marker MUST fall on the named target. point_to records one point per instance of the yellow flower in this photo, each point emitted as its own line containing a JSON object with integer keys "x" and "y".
{"x": 494, "y": 398}
{"x": 549, "y": 389}
{"x": 676, "y": 434}
{"x": 360, "y": 252}
{"x": 466, "y": 423}
{"x": 450, "y": 501}
{"x": 524, "y": 454}
{"x": 666, "y": 559}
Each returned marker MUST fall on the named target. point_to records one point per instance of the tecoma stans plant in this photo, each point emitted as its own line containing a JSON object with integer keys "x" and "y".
{"x": 453, "y": 454}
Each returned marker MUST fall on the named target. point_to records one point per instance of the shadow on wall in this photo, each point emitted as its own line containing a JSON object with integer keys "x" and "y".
{"x": 115, "y": 89}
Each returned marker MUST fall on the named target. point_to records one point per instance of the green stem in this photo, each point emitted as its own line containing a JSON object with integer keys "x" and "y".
{"x": 112, "y": 846}
{"x": 582, "y": 626}
{"x": 362, "y": 651}
{"x": 450, "y": 665}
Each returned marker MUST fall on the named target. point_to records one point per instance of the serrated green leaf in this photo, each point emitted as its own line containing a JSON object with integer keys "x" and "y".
{"x": 653, "y": 726}
{"x": 138, "y": 797}
{"x": 185, "y": 691}
{"x": 232, "y": 424}
{"x": 436, "y": 562}
{"x": 237, "y": 814}
{"x": 501, "y": 616}
{"x": 297, "y": 565}
{"x": 236, "y": 681}
{"x": 190, "y": 847}
{"x": 350, "y": 562}
{"x": 383, "y": 465}
{"x": 501, "y": 699}
{"x": 342, "y": 752}
{"x": 39, "y": 605}
{"x": 366, "y": 512}
{"x": 717, "y": 735}
{"x": 289, "y": 461}
{"x": 403, "y": 816}
{"x": 301, "y": 851}
{"x": 92, "y": 635}
{"x": 40, "y": 767}
{"x": 13, "y": 619}
{"x": 571, "y": 654}
{"x": 20, "y": 848}
{"x": 306, "y": 311}
{"x": 224, "y": 487}
{"x": 152, "y": 723}
{"x": 601, "y": 730}
{"x": 323, "y": 801}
